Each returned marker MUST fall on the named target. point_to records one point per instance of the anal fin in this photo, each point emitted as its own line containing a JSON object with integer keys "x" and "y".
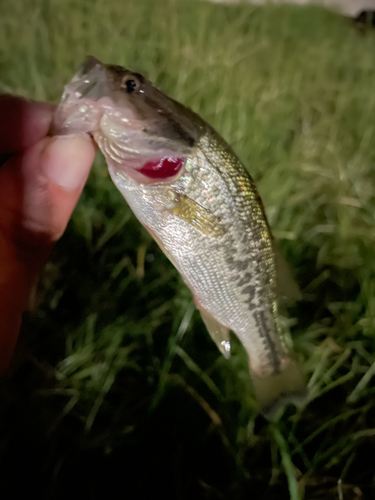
{"x": 219, "y": 333}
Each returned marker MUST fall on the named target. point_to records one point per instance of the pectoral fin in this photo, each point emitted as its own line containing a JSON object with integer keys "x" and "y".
{"x": 198, "y": 216}
{"x": 218, "y": 332}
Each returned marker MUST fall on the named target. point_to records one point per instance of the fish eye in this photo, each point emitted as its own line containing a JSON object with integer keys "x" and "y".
{"x": 130, "y": 83}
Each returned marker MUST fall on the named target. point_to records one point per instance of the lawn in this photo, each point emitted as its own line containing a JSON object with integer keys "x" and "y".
{"x": 116, "y": 390}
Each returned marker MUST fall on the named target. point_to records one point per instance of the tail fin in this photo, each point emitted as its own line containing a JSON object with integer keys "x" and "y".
{"x": 279, "y": 389}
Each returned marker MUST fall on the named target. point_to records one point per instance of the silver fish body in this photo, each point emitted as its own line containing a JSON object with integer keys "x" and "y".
{"x": 226, "y": 261}
{"x": 207, "y": 216}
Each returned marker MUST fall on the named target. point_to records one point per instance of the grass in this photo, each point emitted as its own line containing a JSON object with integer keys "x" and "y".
{"x": 116, "y": 391}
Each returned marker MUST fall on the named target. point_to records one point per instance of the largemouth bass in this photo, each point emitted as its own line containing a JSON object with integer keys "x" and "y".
{"x": 191, "y": 192}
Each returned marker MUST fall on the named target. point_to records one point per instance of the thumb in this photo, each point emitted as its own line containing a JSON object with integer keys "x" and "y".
{"x": 39, "y": 190}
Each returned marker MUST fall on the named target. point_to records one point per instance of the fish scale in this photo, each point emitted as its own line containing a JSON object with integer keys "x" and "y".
{"x": 191, "y": 192}
{"x": 209, "y": 265}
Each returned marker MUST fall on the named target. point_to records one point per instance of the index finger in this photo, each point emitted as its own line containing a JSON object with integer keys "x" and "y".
{"x": 22, "y": 123}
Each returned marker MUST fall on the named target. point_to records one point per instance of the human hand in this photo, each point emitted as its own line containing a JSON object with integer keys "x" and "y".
{"x": 40, "y": 184}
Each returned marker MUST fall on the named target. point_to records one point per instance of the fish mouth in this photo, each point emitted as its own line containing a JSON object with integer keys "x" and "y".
{"x": 91, "y": 80}
{"x": 86, "y": 99}
{"x": 90, "y": 104}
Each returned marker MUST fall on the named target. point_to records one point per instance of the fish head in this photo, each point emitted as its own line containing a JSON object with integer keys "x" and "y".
{"x": 142, "y": 132}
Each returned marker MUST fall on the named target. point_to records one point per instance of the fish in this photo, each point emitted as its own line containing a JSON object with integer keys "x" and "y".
{"x": 191, "y": 192}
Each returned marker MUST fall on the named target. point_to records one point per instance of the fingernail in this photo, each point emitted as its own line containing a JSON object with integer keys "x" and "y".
{"x": 67, "y": 160}
{"x": 40, "y": 114}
